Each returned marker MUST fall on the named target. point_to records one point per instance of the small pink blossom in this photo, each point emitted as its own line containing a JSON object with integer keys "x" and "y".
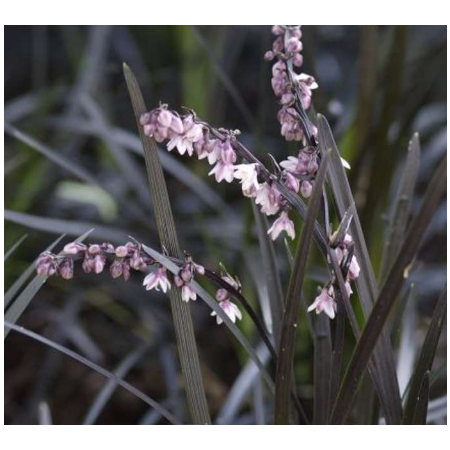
{"x": 283, "y": 223}
{"x": 46, "y": 264}
{"x": 187, "y": 293}
{"x": 230, "y": 309}
{"x": 306, "y": 189}
{"x": 324, "y": 302}
{"x": 184, "y": 141}
{"x": 269, "y": 198}
{"x": 157, "y": 279}
{"x": 224, "y": 169}
{"x": 354, "y": 269}
{"x": 248, "y": 175}
{"x": 73, "y": 248}
{"x": 293, "y": 45}
{"x": 65, "y": 268}
{"x": 292, "y": 183}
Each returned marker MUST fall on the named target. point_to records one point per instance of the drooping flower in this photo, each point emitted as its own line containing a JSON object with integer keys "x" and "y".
{"x": 283, "y": 223}
{"x": 354, "y": 269}
{"x": 192, "y": 133}
{"x": 224, "y": 168}
{"x": 73, "y": 248}
{"x": 157, "y": 279}
{"x": 65, "y": 268}
{"x": 306, "y": 83}
{"x": 324, "y": 302}
{"x": 230, "y": 309}
{"x": 269, "y": 198}
{"x": 187, "y": 293}
{"x": 46, "y": 264}
{"x": 248, "y": 175}
{"x": 306, "y": 188}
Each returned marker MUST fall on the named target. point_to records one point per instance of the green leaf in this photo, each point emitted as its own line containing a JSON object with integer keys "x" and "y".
{"x": 388, "y": 294}
{"x": 283, "y": 379}
{"x": 425, "y": 361}
{"x": 184, "y": 329}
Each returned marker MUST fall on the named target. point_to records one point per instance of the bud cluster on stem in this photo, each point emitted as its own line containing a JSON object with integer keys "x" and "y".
{"x": 326, "y": 300}
{"x": 96, "y": 257}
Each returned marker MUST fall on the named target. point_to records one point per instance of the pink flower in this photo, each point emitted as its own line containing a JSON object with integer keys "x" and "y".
{"x": 121, "y": 251}
{"x": 248, "y": 175}
{"x": 291, "y": 164}
{"x": 277, "y": 30}
{"x": 324, "y": 302}
{"x": 184, "y": 141}
{"x": 230, "y": 309}
{"x": 306, "y": 83}
{"x": 65, "y": 268}
{"x": 293, "y": 45}
{"x": 283, "y": 223}
{"x": 269, "y": 198}
{"x": 292, "y": 183}
{"x": 353, "y": 271}
{"x": 73, "y": 248}
{"x": 157, "y": 279}
{"x": 187, "y": 293}
{"x": 46, "y": 264}
{"x": 224, "y": 169}
{"x": 306, "y": 189}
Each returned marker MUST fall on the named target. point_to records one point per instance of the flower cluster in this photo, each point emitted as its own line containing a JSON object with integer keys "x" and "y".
{"x": 94, "y": 260}
{"x": 185, "y": 276}
{"x": 223, "y": 297}
{"x": 190, "y": 137}
{"x": 286, "y": 84}
{"x": 121, "y": 260}
{"x": 325, "y": 301}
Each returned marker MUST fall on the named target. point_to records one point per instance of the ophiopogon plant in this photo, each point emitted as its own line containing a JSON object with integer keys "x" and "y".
{"x": 313, "y": 185}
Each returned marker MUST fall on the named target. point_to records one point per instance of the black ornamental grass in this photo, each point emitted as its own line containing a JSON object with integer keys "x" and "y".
{"x": 310, "y": 186}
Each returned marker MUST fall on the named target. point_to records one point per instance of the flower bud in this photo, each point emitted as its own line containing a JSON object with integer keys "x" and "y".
{"x": 116, "y": 269}
{"x": 66, "y": 268}
{"x": 94, "y": 249}
{"x": 121, "y": 251}
{"x": 73, "y": 248}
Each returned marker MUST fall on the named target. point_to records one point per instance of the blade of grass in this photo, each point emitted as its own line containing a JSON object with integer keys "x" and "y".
{"x": 71, "y": 354}
{"x": 17, "y": 285}
{"x": 388, "y": 294}
{"x": 271, "y": 274}
{"x": 284, "y": 370}
{"x": 14, "y": 247}
{"x": 241, "y": 387}
{"x": 70, "y": 166}
{"x": 69, "y": 227}
{"x": 108, "y": 389}
{"x": 45, "y": 415}
{"x": 338, "y": 352}
{"x": 402, "y": 207}
{"x": 214, "y": 305}
{"x": 23, "y": 300}
{"x": 421, "y": 410}
{"x": 184, "y": 329}
{"x": 322, "y": 369}
{"x": 366, "y": 282}
{"x": 426, "y": 357}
